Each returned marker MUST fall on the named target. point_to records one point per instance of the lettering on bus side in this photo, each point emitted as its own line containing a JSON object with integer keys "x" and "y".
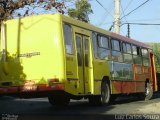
{"x": 29, "y": 54}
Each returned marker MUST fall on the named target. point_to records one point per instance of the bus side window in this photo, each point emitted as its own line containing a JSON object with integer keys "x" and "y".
{"x": 145, "y": 57}
{"x": 137, "y": 59}
{"x": 116, "y": 50}
{"x": 94, "y": 41}
{"x": 103, "y": 47}
{"x": 68, "y": 39}
{"x": 127, "y": 52}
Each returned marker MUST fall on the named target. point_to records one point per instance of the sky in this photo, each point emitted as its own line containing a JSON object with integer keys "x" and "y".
{"x": 148, "y": 13}
{"x": 104, "y": 17}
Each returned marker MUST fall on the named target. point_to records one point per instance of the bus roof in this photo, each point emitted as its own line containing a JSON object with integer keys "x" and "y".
{"x": 129, "y": 40}
{"x": 89, "y": 27}
{"x": 106, "y": 32}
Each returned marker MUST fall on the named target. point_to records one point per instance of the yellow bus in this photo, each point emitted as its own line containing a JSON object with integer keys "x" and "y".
{"x": 62, "y": 58}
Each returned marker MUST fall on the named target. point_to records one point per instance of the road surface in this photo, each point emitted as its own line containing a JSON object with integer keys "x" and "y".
{"x": 16, "y": 108}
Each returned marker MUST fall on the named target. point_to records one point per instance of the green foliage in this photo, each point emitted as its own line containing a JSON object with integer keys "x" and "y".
{"x": 82, "y": 10}
{"x": 156, "y": 50}
{"x": 7, "y": 7}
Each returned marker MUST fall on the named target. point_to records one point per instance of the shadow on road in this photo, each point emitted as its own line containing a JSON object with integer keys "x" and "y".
{"x": 8, "y": 98}
{"x": 41, "y": 106}
{"x": 156, "y": 95}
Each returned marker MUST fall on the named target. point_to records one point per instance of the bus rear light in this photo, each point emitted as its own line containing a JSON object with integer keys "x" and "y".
{"x": 54, "y": 80}
{"x": 29, "y": 86}
{"x": 55, "y": 84}
{"x": 29, "y": 82}
{"x": 57, "y": 87}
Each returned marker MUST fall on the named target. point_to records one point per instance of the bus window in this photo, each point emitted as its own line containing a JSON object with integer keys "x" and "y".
{"x": 136, "y": 50}
{"x": 94, "y": 41}
{"x": 116, "y": 51}
{"x": 137, "y": 59}
{"x": 86, "y": 44}
{"x": 103, "y": 41}
{"x": 145, "y": 61}
{"x": 145, "y": 57}
{"x": 68, "y": 39}
{"x": 115, "y": 45}
{"x": 127, "y": 53}
{"x": 144, "y": 52}
{"x": 79, "y": 50}
{"x": 127, "y": 58}
{"x": 127, "y": 48}
{"x": 103, "y": 47}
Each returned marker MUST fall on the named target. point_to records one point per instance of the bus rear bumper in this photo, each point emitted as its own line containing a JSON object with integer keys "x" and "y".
{"x": 31, "y": 88}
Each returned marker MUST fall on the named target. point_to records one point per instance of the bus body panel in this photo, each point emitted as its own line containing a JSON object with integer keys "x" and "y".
{"x": 101, "y": 70}
{"x": 35, "y": 51}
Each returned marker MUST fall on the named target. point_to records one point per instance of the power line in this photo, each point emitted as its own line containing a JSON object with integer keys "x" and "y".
{"x": 135, "y": 8}
{"x": 128, "y": 5}
{"x": 104, "y": 17}
{"x": 125, "y": 20}
{"x": 104, "y": 8}
{"x": 154, "y": 24}
{"x": 131, "y": 12}
{"x": 146, "y": 24}
{"x": 153, "y": 19}
{"x": 123, "y": 11}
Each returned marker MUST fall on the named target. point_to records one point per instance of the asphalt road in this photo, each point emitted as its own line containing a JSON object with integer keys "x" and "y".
{"x": 16, "y": 108}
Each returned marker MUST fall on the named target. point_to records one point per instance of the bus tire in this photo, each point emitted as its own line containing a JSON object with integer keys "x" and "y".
{"x": 148, "y": 91}
{"x": 105, "y": 93}
{"x": 59, "y": 100}
{"x": 102, "y": 99}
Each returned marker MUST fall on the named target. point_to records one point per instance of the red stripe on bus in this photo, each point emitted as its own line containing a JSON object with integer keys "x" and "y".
{"x": 31, "y": 88}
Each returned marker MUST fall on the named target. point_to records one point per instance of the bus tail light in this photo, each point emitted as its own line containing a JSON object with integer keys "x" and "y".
{"x": 29, "y": 86}
{"x": 54, "y": 80}
{"x": 55, "y": 84}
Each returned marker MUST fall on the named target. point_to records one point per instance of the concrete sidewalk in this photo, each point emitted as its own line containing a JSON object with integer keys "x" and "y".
{"x": 153, "y": 108}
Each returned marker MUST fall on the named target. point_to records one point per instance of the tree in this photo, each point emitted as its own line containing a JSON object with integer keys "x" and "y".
{"x": 82, "y": 10}
{"x": 156, "y": 51}
{"x": 8, "y": 8}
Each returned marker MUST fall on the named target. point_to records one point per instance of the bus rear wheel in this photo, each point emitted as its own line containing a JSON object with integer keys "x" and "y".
{"x": 105, "y": 93}
{"x": 148, "y": 91}
{"x": 102, "y": 99}
{"x": 59, "y": 100}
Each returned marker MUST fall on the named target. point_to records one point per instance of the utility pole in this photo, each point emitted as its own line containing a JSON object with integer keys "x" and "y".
{"x": 128, "y": 30}
{"x": 117, "y": 16}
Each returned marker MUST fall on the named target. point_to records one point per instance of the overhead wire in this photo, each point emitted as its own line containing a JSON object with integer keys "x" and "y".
{"x": 136, "y": 20}
{"x": 135, "y": 9}
{"x": 104, "y": 8}
{"x": 123, "y": 11}
{"x": 127, "y": 6}
{"x": 105, "y": 15}
{"x": 131, "y": 11}
{"x": 123, "y": 14}
{"x": 143, "y": 24}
